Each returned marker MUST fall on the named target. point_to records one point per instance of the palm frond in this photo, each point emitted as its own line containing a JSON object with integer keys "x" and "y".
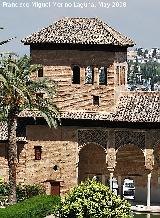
{"x": 19, "y": 90}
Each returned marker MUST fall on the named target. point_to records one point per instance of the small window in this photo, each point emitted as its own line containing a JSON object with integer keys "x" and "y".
{"x": 38, "y": 152}
{"x": 76, "y": 75}
{"x": 89, "y": 74}
{"x": 95, "y": 100}
{"x": 40, "y": 72}
{"x": 117, "y": 75}
{"x": 39, "y": 95}
{"x": 103, "y": 76}
{"x": 124, "y": 73}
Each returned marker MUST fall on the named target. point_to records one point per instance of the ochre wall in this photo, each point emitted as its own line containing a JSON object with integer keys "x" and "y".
{"x": 57, "y": 65}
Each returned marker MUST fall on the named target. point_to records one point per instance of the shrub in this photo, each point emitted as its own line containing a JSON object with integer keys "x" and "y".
{"x": 27, "y": 191}
{"x": 92, "y": 199}
{"x": 4, "y": 189}
{"x": 35, "y": 207}
{"x": 23, "y": 191}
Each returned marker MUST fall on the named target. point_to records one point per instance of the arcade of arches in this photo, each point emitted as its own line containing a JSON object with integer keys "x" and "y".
{"x": 122, "y": 154}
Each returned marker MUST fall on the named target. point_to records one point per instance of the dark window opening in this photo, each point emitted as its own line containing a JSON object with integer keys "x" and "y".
{"x": 38, "y": 152}
{"x": 95, "y": 100}
{"x": 103, "y": 76}
{"x": 55, "y": 167}
{"x": 89, "y": 75}
{"x": 117, "y": 75}
{"x": 76, "y": 75}
{"x": 123, "y": 72}
{"x": 39, "y": 95}
{"x": 40, "y": 72}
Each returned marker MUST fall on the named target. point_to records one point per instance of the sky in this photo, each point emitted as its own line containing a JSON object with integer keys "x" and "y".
{"x": 137, "y": 19}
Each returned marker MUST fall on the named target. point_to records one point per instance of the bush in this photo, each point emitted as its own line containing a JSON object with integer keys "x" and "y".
{"x": 23, "y": 191}
{"x": 35, "y": 207}
{"x": 91, "y": 199}
{"x": 4, "y": 189}
{"x": 27, "y": 191}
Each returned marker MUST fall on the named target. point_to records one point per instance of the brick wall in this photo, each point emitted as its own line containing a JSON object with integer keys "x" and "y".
{"x": 58, "y": 66}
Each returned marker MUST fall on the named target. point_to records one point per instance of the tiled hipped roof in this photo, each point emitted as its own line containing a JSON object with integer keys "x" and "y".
{"x": 79, "y": 31}
{"x": 131, "y": 107}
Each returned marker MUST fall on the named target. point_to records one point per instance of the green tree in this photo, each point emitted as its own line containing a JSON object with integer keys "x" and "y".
{"x": 151, "y": 70}
{"x": 93, "y": 199}
{"x": 17, "y": 93}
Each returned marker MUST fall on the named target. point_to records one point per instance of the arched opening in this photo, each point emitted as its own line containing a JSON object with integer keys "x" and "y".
{"x": 92, "y": 162}
{"x": 130, "y": 168}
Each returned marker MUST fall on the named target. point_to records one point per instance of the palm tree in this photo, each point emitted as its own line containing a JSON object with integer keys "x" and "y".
{"x": 5, "y": 41}
{"x": 17, "y": 93}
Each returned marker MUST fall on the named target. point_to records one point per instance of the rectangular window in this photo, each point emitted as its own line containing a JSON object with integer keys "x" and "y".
{"x": 95, "y": 100}
{"x": 117, "y": 75}
{"x": 89, "y": 75}
{"x": 38, "y": 152}
{"x": 124, "y": 73}
{"x": 103, "y": 76}
{"x": 40, "y": 72}
{"x": 76, "y": 75}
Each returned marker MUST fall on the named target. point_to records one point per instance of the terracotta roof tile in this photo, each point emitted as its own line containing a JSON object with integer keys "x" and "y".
{"x": 79, "y": 31}
{"x": 138, "y": 107}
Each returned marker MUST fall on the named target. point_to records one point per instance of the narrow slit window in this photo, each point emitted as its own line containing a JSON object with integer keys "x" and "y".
{"x": 89, "y": 75}
{"x": 38, "y": 152}
{"x": 95, "y": 100}
{"x": 103, "y": 76}
{"x": 124, "y": 72}
{"x": 40, "y": 72}
{"x": 117, "y": 75}
{"x": 76, "y": 75}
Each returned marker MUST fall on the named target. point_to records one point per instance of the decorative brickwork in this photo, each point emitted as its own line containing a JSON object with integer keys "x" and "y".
{"x": 89, "y": 136}
{"x": 149, "y": 159}
{"x": 129, "y": 137}
{"x": 111, "y": 158}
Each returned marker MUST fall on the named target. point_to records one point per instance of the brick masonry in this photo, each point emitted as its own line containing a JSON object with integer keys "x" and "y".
{"x": 62, "y": 147}
{"x": 58, "y": 66}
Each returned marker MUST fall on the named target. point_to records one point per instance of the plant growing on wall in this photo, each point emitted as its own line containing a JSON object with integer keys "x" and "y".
{"x": 17, "y": 93}
{"x": 93, "y": 199}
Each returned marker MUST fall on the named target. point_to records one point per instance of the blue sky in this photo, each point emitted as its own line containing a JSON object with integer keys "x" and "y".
{"x": 139, "y": 19}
